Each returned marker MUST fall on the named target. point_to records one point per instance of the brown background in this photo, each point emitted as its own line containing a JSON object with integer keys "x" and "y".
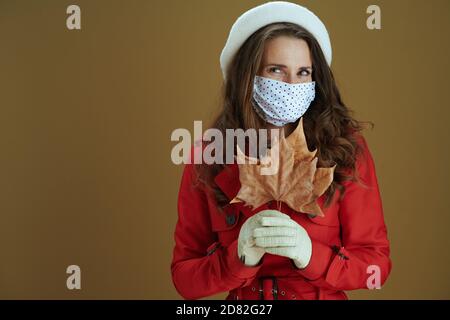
{"x": 86, "y": 116}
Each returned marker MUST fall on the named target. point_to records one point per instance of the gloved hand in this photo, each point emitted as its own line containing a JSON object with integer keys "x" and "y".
{"x": 285, "y": 237}
{"x": 250, "y": 254}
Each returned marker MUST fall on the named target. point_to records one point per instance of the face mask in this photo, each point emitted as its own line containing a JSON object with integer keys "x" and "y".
{"x": 279, "y": 102}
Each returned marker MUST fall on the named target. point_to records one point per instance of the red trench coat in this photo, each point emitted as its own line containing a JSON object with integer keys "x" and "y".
{"x": 351, "y": 237}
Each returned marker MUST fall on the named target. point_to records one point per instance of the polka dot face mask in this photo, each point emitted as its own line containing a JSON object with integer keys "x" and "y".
{"x": 279, "y": 102}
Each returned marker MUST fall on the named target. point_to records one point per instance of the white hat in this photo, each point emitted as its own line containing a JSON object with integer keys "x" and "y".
{"x": 270, "y": 12}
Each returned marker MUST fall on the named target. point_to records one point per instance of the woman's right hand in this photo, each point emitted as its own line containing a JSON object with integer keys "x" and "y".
{"x": 248, "y": 252}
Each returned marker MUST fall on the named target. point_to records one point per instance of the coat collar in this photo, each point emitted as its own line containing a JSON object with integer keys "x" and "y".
{"x": 228, "y": 180}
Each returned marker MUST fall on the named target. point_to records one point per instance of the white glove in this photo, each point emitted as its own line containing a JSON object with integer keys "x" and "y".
{"x": 250, "y": 254}
{"x": 285, "y": 237}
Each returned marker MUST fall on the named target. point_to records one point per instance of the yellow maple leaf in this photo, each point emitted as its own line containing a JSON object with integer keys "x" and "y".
{"x": 297, "y": 181}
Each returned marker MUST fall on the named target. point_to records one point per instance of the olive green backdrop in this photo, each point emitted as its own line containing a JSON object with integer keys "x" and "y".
{"x": 86, "y": 116}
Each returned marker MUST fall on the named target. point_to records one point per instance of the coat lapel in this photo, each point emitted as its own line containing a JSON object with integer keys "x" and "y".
{"x": 228, "y": 181}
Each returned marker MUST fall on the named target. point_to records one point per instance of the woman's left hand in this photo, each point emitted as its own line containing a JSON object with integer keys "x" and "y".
{"x": 285, "y": 238}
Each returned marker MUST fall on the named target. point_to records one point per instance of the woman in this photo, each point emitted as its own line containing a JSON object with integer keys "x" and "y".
{"x": 274, "y": 252}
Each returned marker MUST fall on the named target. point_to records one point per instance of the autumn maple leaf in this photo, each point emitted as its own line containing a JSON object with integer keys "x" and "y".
{"x": 297, "y": 181}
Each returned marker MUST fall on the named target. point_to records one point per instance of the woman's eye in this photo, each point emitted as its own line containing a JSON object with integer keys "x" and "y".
{"x": 274, "y": 69}
{"x": 304, "y": 73}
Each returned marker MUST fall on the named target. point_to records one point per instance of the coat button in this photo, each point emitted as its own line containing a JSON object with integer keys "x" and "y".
{"x": 231, "y": 219}
{"x": 253, "y": 289}
{"x": 283, "y": 293}
{"x": 294, "y": 297}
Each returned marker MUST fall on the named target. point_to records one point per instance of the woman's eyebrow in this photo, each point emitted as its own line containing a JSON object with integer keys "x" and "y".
{"x": 283, "y": 66}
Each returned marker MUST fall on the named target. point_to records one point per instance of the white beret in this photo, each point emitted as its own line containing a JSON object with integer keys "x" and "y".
{"x": 267, "y": 13}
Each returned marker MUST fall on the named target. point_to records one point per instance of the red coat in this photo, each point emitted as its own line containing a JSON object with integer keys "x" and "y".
{"x": 351, "y": 237}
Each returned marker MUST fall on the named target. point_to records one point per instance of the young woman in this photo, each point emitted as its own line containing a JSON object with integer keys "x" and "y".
{"x": 274, "y": 252}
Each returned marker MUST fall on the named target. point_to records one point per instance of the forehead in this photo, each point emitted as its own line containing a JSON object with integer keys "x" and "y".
{"x": 286, "y": 50}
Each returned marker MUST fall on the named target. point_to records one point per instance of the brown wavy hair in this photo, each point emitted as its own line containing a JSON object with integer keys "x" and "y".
{"x": 328, "y": 122}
